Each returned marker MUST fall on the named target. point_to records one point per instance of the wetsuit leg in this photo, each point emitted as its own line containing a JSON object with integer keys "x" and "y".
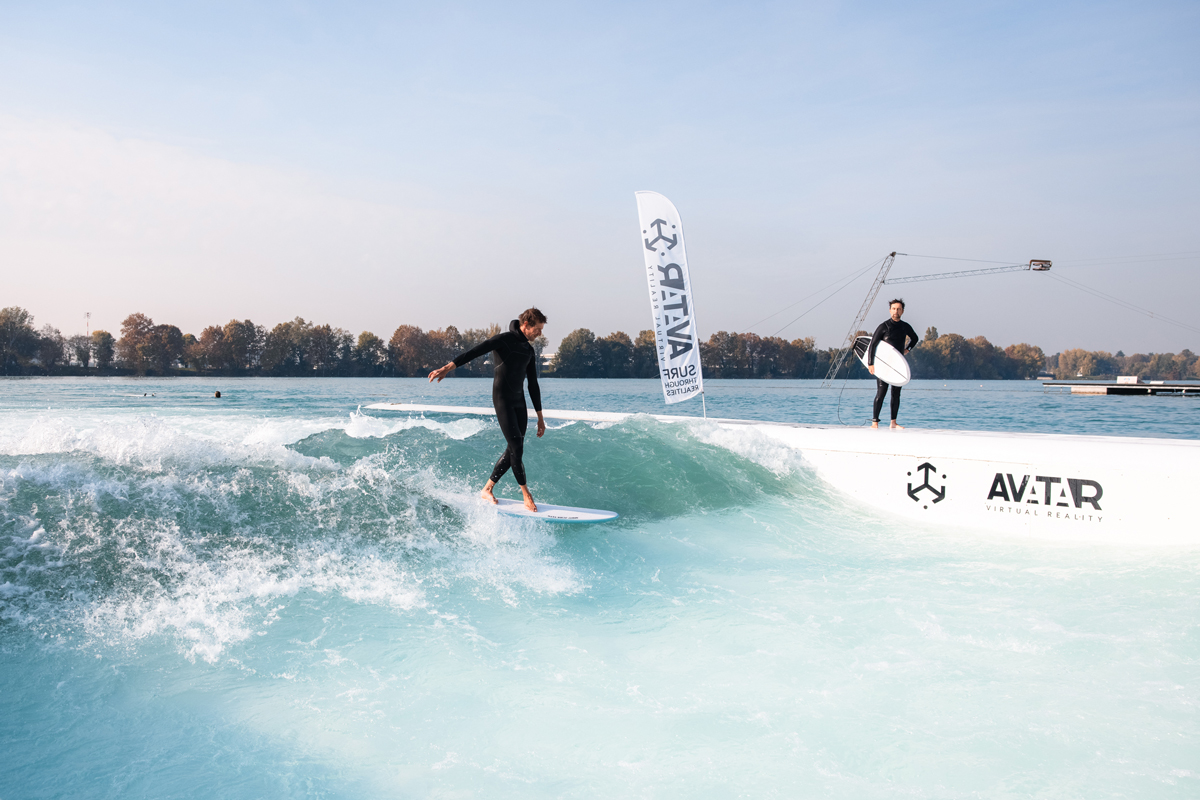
{"x": 514, "y": 419}
{"x": 881, "y": 392}
{"x": 895, "y": 403}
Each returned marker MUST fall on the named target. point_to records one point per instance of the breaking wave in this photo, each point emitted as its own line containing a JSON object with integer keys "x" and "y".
{"x": 126, "y": 528}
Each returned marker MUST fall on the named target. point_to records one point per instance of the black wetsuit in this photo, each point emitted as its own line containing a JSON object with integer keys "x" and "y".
{"x": 515, "y": 361}
{"x": 897, "y": 335}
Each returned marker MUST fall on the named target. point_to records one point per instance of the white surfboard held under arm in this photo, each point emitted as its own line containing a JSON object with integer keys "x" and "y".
{"x": 890, "y": 364}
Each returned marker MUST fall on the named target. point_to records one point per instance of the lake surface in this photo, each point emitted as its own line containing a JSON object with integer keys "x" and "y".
{"x": 275, "y": 595}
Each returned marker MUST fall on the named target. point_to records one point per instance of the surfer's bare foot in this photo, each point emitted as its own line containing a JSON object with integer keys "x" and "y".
{"x": 896, "y": 427}
{"x": 486, "y": 494}
{"x": 532, "y": 506}
{"x": 875, "y": 424}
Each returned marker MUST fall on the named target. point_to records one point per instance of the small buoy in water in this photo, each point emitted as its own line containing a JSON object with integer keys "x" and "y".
{"x": 216, "y": 394}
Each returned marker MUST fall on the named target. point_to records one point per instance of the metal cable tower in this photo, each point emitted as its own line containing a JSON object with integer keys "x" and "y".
{"x": 1036, "y": 265}
{"x": 848, "y": 345}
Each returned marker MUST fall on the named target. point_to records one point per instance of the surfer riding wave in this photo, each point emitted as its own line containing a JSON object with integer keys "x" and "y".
{"x": 515, "y": 361}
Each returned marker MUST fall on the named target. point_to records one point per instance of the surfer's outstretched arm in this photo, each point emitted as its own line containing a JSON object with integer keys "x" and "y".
{"x": 484, "y": 347}
{"x": 441, "y": 372}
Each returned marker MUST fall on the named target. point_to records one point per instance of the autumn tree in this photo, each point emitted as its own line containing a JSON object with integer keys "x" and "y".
{"x": 18, "y": 339}
{"x": 577, "y": 355}
{"x": 193, "y": 355}
{"x": 285, "y": 348}
{"x": 329, "y": 348}
{"x": 244, "y": 344}
{"x": 51, "y": 347}
{"x": 211, "y": 351}
{"x": 947, "y": 356}
{"x": 80, "y": 346}
{"x": 441, "y": 347}
{"x": 370, "y": 354}
{"x": 135, "y": 338}
{"x": 1078, "y": 363}
{"x": 406, "y": 350}
{"x": 162, "y": 347}
{"x": 1024, "y": 360}
{"x": 799, "y": 358}
{"x": 103, "y": 347}
{"x": 614, "y": 356}
{"x": 645, "y": 355}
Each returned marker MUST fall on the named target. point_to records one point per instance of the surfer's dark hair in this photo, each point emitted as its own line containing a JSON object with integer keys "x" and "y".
{"x": 893, "y": 302}
{"x": 532, "y": 316}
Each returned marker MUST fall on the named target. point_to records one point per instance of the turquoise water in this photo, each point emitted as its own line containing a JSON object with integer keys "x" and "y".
{"x": 271, "y": 595}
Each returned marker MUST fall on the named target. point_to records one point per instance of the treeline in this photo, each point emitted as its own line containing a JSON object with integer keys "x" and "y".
{"x": 239, "y": 347}
{"x": 939, "y": 356}
{"x": 747, "y": 355}
{"x": 582, "y": 354}
{"x": 953, "y": 357}
{"x": 1181, "y": 366}
{"x": 299, "y": 347}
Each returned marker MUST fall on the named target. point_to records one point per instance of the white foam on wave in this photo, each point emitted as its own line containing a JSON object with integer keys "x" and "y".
{"x": 18, "y": 571}
{"x": 155, "y": 441}
{"x": 149, "y": 442}
{"x": 167, "y": 585}
{"x": 364, "y": 426}
{"x": 357, "y": 425}
{"x": 751, "y": 445}
{"x": 214, "y": 602}
{"x": 117, "y": 565}
{"x": 367, "y": 533}
{"x": 504, "y": 552}
{"x": 497, "y": 550}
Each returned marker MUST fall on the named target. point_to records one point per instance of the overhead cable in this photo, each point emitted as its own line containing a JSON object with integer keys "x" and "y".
{"x": 857, "y": 273}
{"x": 1122, "y": 303}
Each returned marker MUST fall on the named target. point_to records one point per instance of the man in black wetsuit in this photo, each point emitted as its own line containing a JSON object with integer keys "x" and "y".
{"x": 896, "y": 333}
{"x": 515, "y": 361}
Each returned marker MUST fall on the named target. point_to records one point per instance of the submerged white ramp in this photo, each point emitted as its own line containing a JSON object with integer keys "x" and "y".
{"x": 1048, "y": 486}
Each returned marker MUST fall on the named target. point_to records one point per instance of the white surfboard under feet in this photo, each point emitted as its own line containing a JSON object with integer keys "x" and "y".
{"x": 549, "y": 513}
{"x": 890, "y": 364}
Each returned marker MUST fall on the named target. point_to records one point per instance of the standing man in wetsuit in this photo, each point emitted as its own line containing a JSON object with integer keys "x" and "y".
{"x": 896, "y": 333}
{"x": 515, "y": 360}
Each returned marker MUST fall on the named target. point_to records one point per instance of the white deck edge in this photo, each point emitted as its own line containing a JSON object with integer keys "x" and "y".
{"x": 1046, "y": 486}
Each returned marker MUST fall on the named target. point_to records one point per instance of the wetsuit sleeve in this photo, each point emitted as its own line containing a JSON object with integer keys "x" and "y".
{"x": 483, "y": 348}
{"x": 875, "y": 343}
{"x": 910, "y": 334}
{"x": 535, "y": 391}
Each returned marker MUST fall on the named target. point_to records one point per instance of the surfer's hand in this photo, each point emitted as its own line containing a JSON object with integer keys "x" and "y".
{"x": 871, "y": 369}
{"x": 541, "y": 426}
{"x": 441, "y": 372}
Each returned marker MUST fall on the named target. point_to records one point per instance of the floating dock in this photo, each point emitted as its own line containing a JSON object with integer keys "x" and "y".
{"x": 1125, "y": 388}
{"x": 1101, "y": 489}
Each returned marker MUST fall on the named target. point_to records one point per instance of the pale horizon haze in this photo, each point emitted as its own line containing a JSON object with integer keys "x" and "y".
{"x": 368, "y": 165}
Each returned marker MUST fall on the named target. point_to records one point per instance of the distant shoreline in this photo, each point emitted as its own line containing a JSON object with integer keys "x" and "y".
{"x": 303, "y": 349}
{"x": 76, "y": 372}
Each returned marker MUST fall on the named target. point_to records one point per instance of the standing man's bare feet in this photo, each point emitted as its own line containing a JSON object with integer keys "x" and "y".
{"x": 532, "y": 506}
{"x": 896, "y": 427}
{"x": 486, "y": 494}
{"x": 875, "y": 423}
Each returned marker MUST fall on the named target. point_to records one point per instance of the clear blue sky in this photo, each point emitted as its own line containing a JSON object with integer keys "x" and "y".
{"x": 372, "y": 164}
